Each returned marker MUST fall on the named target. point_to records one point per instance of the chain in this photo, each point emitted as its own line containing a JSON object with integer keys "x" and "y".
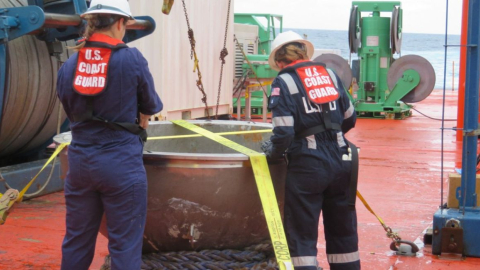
{"x": 391, "y": 234}
{"x": 249, "y": 64}
{"x": 196, "y": 67}
{"x": 223, "y": 54}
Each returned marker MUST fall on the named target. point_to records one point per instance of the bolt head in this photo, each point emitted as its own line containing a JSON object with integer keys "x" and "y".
{"x": 33, "y": 18}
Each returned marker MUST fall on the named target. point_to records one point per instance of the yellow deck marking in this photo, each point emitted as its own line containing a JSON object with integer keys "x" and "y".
{"x": 265, "y": 189}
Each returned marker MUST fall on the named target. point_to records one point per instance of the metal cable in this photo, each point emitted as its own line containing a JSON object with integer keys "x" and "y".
{"x": 443, "y": 106}
{"x": 433, "y": 118}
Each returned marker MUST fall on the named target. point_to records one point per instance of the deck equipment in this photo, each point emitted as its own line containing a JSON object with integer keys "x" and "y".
{"x": 385, "y": 85}
{"x": 252, "y": 71}
{"x": 32, "y": 41}
{"x": 455, "y": 230}
{"x": 51, "y": 21}
{"x": 180, "y": 216}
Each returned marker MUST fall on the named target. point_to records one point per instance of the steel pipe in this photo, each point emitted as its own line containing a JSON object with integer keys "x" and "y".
{"x": 54, "y": 20}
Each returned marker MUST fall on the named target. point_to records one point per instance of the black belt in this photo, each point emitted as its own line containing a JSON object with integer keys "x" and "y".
{"x": 316, "y": 129}
{"x": 130, "y": 127}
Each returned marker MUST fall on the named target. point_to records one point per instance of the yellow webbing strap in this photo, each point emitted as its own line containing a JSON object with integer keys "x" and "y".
{"x": 265, "y": 189}
{"x": 220, "y": 133}
{"x": 369, "y": 208}
{"x": 24, "y": 190}
{"x": 52, "y": 157}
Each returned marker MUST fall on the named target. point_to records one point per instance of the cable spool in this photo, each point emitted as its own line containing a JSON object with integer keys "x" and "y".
{"x": 424, "y": 69}
{"x": 30, "y": 109}
{"x": 354, "y": 30}
{"x": 396, "y": 31}
{"x": 337, "y": 64}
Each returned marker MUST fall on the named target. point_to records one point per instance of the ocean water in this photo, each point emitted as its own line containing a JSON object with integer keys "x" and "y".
{"x": 429, "y": 46}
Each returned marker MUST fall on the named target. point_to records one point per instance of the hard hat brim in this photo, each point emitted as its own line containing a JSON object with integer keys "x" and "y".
{"x": 308, "y": 45}
{"x": 108, "y": 12}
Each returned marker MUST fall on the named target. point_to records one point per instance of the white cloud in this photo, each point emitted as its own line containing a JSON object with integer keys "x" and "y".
{"x": 419, "y": 16}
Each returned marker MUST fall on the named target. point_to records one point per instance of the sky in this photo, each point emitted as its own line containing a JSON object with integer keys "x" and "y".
{"x": 419, "y": 16}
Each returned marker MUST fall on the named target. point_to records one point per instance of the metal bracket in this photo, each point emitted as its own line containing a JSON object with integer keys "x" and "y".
{"x": 144, "y": 26}
{"x": 404, "y": 248}
{"x": 193, "y": 235}
{"x": 472, "y": 133}
{"x": 452, "y": 237}
{"x": 452, "y": 240}
{"x": 17, "y": 22}
{"x": 409, "y": 80}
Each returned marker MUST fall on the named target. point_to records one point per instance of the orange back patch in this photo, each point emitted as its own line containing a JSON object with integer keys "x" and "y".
{"x": 318, "y": 84}
{"x": 92, "y": 69}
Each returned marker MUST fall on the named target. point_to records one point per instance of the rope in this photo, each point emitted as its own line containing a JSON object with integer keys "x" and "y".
{"x": 257, "y": 257}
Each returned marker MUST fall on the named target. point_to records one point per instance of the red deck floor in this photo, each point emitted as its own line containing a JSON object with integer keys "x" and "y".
{"x": 399, "y": 177}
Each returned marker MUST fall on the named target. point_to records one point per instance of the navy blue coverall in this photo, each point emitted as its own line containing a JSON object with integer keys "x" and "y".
{"x": 317, "y": 177}
{"x": 106, "y": 172}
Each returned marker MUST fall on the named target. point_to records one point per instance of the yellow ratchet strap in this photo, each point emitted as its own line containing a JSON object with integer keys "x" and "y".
{"x": 15, "y": 196}
{"x": 265, "y": 189}
{"x": 369, "y": 208}
{"x": 220, "y": 133}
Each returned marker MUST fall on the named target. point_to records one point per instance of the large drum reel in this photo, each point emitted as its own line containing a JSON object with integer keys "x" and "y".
{"x": 339, "y": 65}
{"x": 354, "y": 30}
{"x": 396, "y": 31}
{"x": 424, "y": 69}
{"x": 30, "y": 108}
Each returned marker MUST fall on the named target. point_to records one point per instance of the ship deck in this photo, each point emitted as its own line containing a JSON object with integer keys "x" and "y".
{"x": 400, "y": 177}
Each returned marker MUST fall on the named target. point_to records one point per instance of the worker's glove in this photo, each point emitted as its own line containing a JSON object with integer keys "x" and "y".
{"x": 267, "y": 148}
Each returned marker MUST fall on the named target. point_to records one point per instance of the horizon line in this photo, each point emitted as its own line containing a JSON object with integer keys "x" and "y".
{"x": 450, "y": 34}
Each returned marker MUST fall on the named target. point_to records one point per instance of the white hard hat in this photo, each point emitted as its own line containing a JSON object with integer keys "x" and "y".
{"x": 117, "y": 7}
{"x": 284, "y": 38}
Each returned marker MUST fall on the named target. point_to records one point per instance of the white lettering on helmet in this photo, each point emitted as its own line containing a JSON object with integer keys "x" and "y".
{"x": 312, "y": 94}
{"x": 101, "y": 82}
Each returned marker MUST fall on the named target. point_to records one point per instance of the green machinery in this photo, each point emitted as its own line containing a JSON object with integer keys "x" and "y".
{"x": 252, "y": 68}
{"x": 386, "y": 85}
